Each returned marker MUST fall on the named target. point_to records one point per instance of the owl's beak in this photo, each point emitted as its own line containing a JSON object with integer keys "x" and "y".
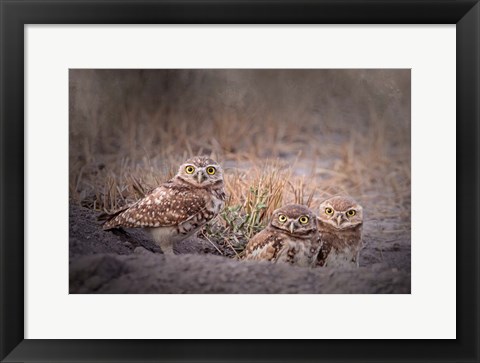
{"x": 291, "y": 227}
{"x": 200, "y": 177}
{"x": 339, "y": 220}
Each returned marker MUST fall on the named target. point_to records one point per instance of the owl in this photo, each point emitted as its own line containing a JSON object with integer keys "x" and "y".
{"x": 179, "y": 207}
{"x": 340, "y": 226}
{"x": 291, "y": 237}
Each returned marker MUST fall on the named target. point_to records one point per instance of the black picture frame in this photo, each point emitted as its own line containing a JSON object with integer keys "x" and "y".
{"x": 15, "y": 14}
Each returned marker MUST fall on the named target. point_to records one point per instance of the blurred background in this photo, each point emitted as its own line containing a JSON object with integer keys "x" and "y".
{"x": 282, "y": 136}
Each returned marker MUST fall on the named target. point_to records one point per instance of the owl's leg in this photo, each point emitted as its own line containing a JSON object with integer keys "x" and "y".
{"x": 167, "y": 248}
{"x": 164, "y": 239}
{"x": 166, "y": 245}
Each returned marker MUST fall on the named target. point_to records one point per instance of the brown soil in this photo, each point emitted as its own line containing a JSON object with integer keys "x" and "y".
{"x": 129, "y": 262}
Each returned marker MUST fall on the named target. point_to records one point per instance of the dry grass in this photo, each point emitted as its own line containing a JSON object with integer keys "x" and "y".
{"x": 282, "y": 137}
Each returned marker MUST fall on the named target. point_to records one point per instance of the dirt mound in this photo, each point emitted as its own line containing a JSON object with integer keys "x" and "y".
{"x": 129, "y": 262}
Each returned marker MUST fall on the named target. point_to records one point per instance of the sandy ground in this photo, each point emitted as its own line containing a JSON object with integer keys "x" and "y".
{"x": 129, "y": 262}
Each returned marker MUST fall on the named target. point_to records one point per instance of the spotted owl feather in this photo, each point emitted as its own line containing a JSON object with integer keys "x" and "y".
{"x": 266, "y": 245}
{"x": 156, "y": 209}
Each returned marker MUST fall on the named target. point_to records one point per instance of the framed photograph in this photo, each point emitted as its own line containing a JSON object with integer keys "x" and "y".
{"x": 240, "y": 181}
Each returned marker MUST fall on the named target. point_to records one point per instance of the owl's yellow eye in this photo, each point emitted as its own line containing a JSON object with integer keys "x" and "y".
{"x": 282, "y": 218}
{"x": 329, "y": 211}
{"x": 303, "y": 219}
{"x": 189, "y": 169}
{"x": 351, "y": 212}
{"x": 211, "y": 170}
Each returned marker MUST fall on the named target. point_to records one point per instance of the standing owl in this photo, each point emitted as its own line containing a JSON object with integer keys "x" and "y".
{"x": 340, "y": 226}
{"x": 291, "y": 237}
{"x": 179, "y": 207}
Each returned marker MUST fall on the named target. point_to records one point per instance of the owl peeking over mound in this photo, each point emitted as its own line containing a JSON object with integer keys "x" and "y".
{"x": 290, "y": 237}
{"x": 340, "y": 223}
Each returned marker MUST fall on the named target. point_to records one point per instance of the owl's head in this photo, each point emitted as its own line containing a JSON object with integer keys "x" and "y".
{"x": 294, "y": 219}
{"x": 201, "y": 171}
{"x": 341, "y": 212}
